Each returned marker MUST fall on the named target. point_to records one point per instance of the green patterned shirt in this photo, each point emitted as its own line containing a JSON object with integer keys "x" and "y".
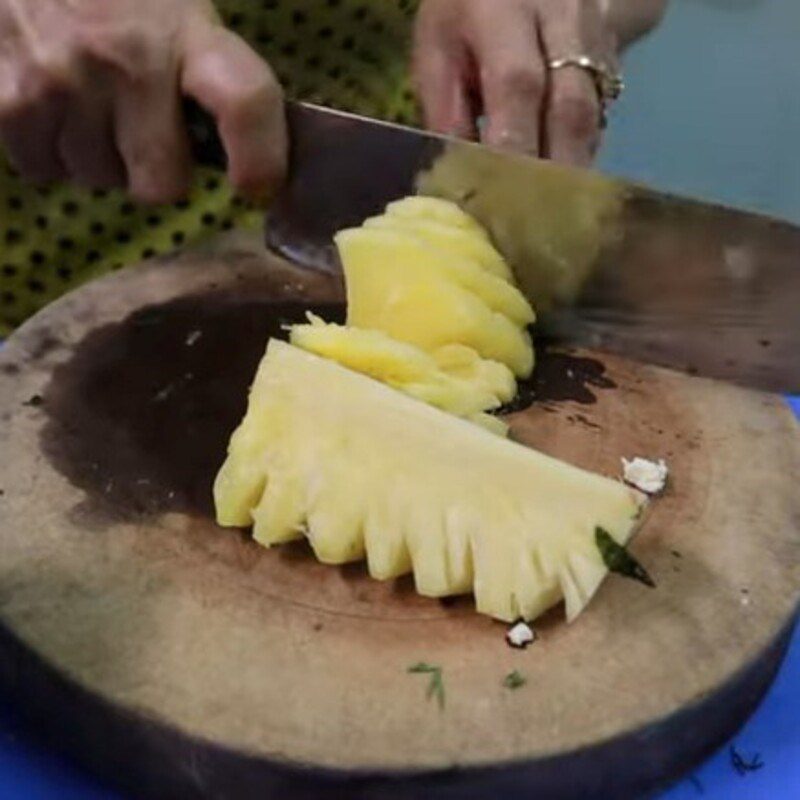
{"x": 349, "y": 54}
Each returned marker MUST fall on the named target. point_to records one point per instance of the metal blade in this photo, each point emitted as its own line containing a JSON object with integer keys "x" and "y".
{"x": 607, "y": 264}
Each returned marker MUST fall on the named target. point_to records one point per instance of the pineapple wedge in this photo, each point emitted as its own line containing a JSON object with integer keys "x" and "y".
{"x": 405, "y": 367}
{"x": 363, "y": 470}
{"x": 409, "y": 291}
{"x": 459, "y": 241}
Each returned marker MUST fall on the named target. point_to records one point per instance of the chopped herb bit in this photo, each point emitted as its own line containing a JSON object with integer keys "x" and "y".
{"x": 619, "y": 560}
{"x": 742, "y": 765}
{"x": 514, "y": 680}
{"x": 436, "y": 683}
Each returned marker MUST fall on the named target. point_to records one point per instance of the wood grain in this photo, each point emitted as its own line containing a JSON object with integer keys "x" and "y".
{"x": 183, "y": 660}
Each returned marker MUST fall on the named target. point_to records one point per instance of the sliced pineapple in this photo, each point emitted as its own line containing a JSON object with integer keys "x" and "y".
{"x": 408, "y": 291}
{"x": 434, "y": 208}
{"x": 370, "y": 352}
{"x": 466, "y": 242}
{"x": 400, "y": 365}
{"x": 461, "y": 361}
{"x": 363, "y": 470}
{"x": 404, "y": 247}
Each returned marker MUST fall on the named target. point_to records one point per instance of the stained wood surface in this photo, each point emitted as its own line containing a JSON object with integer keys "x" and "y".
{"x": 183, "y": 658}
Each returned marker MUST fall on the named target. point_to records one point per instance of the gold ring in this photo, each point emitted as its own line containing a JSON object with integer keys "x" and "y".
{"x": 607, "y": 82}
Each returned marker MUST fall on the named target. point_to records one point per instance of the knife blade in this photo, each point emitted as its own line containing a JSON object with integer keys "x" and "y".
{"x": 607, "y": 264}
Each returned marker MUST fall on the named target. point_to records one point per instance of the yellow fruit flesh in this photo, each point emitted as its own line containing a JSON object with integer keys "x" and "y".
{"x": 459, "y": 242}
{"x": 402, "y": 366}
{"x": 463, "y": 362}
{"x": 404, "y": 248}
{"x": 433, "y": 208}
{"x": 361, "y": 469}
{"x": 394, "y": 286}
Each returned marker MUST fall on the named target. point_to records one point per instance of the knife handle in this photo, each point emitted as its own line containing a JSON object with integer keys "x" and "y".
{"x": 204, "y": 139}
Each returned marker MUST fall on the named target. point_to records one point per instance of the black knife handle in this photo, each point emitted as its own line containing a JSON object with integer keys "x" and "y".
{"x": 206, "y": 145}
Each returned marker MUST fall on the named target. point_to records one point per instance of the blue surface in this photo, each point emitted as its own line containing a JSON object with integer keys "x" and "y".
{"x": 712, "y": 109}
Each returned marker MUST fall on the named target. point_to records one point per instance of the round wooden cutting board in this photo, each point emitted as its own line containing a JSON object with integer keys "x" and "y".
{"x": 182, "y": 660}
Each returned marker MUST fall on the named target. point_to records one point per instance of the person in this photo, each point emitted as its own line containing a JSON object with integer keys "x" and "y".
{"x": 91, "y": 106}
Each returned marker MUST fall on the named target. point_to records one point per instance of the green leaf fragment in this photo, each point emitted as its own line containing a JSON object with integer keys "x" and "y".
{"x": 619, "y": 560}
{"x": 514, "y": 680}
{"x": 436, "y": 683}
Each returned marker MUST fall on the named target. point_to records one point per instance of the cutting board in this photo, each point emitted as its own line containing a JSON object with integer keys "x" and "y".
{"x": 178, "y": 659}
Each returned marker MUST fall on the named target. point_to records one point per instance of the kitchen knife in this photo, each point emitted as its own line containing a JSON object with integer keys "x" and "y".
{"x": 607, "y": 264}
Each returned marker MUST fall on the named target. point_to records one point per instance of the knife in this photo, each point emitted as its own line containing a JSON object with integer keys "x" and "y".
{"x": 607, "y": 264}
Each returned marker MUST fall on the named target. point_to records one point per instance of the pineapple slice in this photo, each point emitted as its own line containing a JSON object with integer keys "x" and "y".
{"x": 492, "y": 424}
{"x": 407, "y": 290}
{"x": 463, "y": 362}
{"x": 363, "y": 470}
{"x": 458, "y": 241}
{"x": 403, "y": 366}
{"x": 418, "y": 207}
{"x": 404, "y": 247}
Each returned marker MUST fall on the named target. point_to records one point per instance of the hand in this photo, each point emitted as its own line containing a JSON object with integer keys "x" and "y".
{"x": 91, "y": 90}
{"x": 489, "y": 57}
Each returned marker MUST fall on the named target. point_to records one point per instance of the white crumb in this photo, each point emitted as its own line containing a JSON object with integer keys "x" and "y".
{"x": 649, "y": 476}
{"x": 193, "y": 338}
{"x": 520, "y": 635}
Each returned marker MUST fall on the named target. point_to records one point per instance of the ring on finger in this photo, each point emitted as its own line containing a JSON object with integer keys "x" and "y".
{"x": 608, "y": 82}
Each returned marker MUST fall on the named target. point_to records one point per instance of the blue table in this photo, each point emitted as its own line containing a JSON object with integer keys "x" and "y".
{"x": 771, "y": 737}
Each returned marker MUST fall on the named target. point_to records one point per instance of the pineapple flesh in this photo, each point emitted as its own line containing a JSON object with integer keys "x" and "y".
{"x": 364, "y": 471}
{"x": 459, "y": 241}
{"x": 407, "y": 368}
{"x": 433, "y": 208}
{"x": 399, "y": 285}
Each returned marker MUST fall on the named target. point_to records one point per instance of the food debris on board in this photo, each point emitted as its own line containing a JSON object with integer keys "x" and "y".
{"x": 618, "y": 560}
{"x": 648, "y": 476}
{"x": 436, "y": 683}
{"x": 514, "y": 680}
{"x": 520, "y": 635}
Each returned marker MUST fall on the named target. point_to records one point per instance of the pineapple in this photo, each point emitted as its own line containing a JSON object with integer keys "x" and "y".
{"x": 463, "y": 362}
{"x": 362, "y": 470}
{"x": 492, "y": 424}
{"x": 471, "y": 245}
{"x": 418, "y": 294}
{"x": 406, "y": 367}
{"x": 433, "y": 208}
{"x": 404, "y": 248}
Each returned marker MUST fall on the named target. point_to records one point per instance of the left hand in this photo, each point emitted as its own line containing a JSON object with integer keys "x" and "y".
{"x": 489, "y": 58}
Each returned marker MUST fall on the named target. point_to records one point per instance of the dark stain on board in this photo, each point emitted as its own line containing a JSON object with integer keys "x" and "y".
{"x": 140, "y": 416}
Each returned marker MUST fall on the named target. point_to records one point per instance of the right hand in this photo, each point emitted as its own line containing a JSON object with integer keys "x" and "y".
{"x": 90, "y": 90}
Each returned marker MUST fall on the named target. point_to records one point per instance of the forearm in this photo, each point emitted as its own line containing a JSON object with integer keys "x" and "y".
{"x": 631, "y": 19}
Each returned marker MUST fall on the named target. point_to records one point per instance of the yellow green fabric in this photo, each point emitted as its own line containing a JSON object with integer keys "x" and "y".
{"x": 348, "y": 54}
